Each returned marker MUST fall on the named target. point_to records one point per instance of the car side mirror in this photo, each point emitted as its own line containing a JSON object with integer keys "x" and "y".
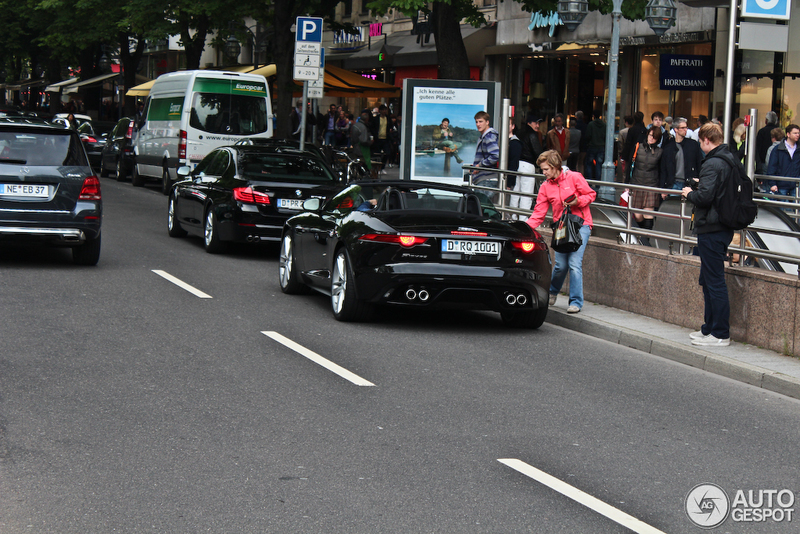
{"x": 184, "y": 171}
{"x": 311, "y": 204}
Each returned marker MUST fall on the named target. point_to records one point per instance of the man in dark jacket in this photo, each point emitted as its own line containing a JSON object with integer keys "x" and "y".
{"x": 785, "y": 161}
{"x": 763, "y": 141}
{"x": 713, "y": 237}
{"x": 681, "y": 159}
{"x": 595, "y": 147}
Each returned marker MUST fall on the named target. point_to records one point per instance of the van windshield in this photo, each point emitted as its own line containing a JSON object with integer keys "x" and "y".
{"x": 229, "y": 114}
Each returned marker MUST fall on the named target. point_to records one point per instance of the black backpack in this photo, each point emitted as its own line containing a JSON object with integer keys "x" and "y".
{"x": 735, "y": 204}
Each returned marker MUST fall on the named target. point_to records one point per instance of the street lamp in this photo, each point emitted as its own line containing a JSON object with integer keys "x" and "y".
{"x": 572, "y": 12}
{"x": 660, "y": 16}
{"x": 233, "y": 48}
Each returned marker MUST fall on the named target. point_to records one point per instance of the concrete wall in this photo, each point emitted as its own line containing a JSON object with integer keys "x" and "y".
{"x": 653, "y": 283}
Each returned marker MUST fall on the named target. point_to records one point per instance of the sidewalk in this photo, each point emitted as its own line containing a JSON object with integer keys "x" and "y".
{"x": 745, "y": 363}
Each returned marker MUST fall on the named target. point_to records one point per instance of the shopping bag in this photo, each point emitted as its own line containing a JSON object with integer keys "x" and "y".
{"x": 567, "y": 232}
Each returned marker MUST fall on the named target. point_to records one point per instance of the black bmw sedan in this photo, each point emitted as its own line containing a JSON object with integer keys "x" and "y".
{"x": 416, "y": 245}
{"x": 245, "y": 194}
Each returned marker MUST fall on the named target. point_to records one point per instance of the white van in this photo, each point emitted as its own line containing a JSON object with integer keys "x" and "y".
{"x": 190, "y": 113}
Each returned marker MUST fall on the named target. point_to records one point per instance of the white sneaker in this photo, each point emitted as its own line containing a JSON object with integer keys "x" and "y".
{"x": 553, "y": 299}
{"x": 711, "y": 341}
{"x": 697, "y": 335}
{"x": 573, "y": 309}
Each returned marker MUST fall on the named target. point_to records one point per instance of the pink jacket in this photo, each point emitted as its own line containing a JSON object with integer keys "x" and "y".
{"x": 553, "y": 193}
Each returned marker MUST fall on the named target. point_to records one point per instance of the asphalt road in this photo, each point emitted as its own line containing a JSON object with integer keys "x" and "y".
{"x": 128, "y": 404}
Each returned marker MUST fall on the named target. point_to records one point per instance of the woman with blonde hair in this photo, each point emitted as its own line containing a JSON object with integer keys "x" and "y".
{"x": 738, "y": 145}
{"x": 564, "y": 189}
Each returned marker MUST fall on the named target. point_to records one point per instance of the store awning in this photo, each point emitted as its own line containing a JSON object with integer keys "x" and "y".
{"x": 97, "y": 80}
{"x": 412, "y": 53}
{"x": 58, "y": 86}
{"x": 368, "y": 57}
{"x": 141, "y": 89}
{"x": 345, "y": 80}
{"x": 21, "y": 84}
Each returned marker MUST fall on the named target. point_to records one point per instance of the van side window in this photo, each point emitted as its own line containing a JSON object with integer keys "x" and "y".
{"x": 229, "y": 114}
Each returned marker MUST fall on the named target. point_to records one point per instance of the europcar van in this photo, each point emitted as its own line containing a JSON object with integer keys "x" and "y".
{"x": 190, "y": 113}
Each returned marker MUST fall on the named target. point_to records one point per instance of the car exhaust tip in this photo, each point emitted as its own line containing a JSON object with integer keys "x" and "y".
{"x": 522, "y": 299}
{"x": 511, "y": 299}
{"x": 411, "y": 294}
{"x": 423, "y": 295}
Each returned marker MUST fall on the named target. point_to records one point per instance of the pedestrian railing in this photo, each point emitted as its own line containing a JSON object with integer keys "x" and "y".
{"x": 680, "y": 242}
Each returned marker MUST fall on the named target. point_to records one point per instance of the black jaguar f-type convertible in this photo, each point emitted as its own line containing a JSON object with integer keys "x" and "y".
{"x": 415, "y": 244}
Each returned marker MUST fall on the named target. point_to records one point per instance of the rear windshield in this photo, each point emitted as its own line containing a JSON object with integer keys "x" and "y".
{"x": 283, "y": 168}
{"x": 51, "y": 148}
{"x": 229, "y": 114}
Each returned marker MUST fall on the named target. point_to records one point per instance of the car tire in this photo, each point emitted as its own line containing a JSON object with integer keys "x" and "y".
{"x": 121, "y": 174}
{"x": 137, "y": 180}
{"x": 344, "y": 304}
{"x": 88, "y": 253}
{"x": 173, "y": 226}
{"x": 211, "y": 240}
{"x": 288, "y": 277}
{"x": 103, "y": 172}
{"x": 166, "y": 182}
{"x": 526, "y": 319}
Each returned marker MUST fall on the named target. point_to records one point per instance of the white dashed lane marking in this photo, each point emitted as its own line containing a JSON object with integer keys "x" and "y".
{"x": 593, "y": 503}
{"x": 319, "y": 360}
{"x": 183, "y": 285}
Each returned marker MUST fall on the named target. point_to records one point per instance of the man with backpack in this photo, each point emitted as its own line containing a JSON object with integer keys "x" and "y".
{"x": 718, "y": 170}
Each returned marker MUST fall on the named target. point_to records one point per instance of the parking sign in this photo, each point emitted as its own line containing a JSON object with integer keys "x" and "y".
{"x": 308, "y": 29}
{"x": 767, "y": 9}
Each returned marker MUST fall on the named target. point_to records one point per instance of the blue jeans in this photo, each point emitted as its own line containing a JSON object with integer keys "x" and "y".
{"x": 594, "y": 171}
{"x": 713, "y": 250}
{"x": 330, "y": 137}
{"x": 571, "y": 262}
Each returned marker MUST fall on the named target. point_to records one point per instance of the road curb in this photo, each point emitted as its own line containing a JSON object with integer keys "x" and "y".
{"x": 687, "y": 355}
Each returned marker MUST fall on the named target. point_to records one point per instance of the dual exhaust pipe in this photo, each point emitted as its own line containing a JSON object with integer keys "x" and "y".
{"x": 422, "y": 295}
{"x": 516, "y": 300}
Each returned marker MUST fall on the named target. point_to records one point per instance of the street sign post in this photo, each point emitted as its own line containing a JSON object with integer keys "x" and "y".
{"x": 316, "y": 88}
{"x": 767, "y": 9}
{"x": 307, "y": 60}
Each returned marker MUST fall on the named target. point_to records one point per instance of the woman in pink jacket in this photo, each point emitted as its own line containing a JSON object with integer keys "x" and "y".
{"x": 564, "y": 188}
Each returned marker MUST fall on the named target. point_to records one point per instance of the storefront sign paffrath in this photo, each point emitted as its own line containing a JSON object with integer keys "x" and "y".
{"x": 682, "y": 71}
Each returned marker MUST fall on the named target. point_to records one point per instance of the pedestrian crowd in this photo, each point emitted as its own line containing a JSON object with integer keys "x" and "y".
{"x": 372, "y": 135}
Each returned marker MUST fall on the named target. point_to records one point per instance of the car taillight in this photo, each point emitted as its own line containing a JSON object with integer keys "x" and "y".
{"x": 527, "y": 246}
{"x": 90, "y": 189}
{"x": 404, "y": 240}
{"x": 89, "y": 139}
{"x": 248, "y": 196}
{"x": 182, "y": 145}
{"x": 129, "y": 133}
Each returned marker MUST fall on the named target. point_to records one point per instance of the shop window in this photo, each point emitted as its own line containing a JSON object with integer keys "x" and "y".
{"x": 681, "y": 103}
{"x": 348, "y": 8}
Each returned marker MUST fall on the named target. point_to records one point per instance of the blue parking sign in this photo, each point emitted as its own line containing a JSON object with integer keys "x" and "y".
{"x": 308, "y": 29}
{"x": 767, "y": 9}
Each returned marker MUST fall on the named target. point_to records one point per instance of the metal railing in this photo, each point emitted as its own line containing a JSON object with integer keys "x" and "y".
{"x": 789, "y": 204}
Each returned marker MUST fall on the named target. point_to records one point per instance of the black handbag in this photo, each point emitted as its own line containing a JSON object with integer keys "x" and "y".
{"x": 567, "y": 232}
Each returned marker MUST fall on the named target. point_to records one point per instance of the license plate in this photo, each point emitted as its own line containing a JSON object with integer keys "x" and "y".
{"x": 290, "y": 203}
{"x": 465, "y": 246}
{"x": 24, "y": 190}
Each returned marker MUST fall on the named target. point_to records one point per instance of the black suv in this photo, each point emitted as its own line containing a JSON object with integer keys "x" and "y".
{"x": 48, "y": 192}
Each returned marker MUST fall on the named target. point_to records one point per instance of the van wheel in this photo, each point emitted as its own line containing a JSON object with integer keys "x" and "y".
{"x": 166, "y": 183}
{"x": 137, "y": 180}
